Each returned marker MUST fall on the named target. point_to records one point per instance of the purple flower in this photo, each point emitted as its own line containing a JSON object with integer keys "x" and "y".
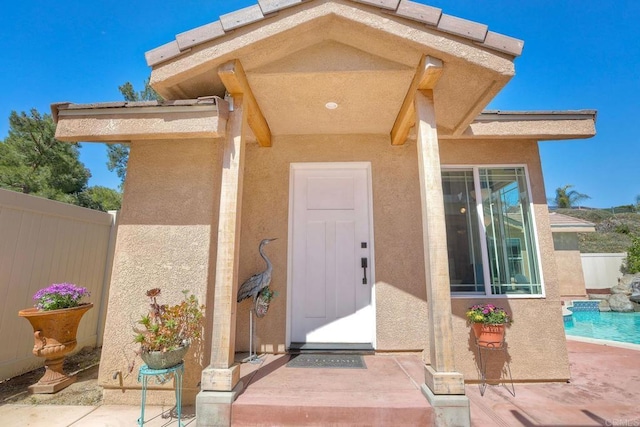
{"x": 60, "y": 295}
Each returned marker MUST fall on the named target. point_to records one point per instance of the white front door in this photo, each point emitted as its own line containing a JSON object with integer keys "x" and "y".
{"x": 330, "y": 301}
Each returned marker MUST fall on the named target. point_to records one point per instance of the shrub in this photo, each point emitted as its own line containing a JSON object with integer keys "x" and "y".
{"x": 633, "y": 256}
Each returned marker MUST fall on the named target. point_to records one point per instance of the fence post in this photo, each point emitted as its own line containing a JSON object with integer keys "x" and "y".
{"x": 106, "y": 284}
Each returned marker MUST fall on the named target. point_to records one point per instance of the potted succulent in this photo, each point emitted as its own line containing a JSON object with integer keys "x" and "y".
{"x": 488, "y": 322}
{"x": 166, "y": 332}
{"x": 55, "y": 319}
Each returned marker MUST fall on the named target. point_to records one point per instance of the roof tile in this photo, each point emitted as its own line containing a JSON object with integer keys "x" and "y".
{"x": 404, "y": 8}
{"x": 462, "y": 27}
{"x": 419, "y": 12}
{"x": 385, "y": 4}
{"x": 270, "y": 6}
{"x": 132, "y": 104}
{"x": 115, "y": 104}
{"x": 241, "y": 17}
{"x": 200, "y": 35}
{"x": 504, "y": 43}
{"x": 163, "y": 53}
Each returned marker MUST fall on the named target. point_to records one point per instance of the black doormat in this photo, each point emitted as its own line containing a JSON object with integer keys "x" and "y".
{"x": 338, "y": 361}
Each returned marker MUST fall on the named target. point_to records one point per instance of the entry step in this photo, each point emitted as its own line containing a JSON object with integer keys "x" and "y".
{"x": 329, "y": 348}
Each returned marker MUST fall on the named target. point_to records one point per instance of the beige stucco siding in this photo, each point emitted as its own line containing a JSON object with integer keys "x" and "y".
{"x": 536, "y": 342}
{"x": 400, "y": 292}
{"x": 569, "y": 262}
{"x": 168, "y": 228}
{"x": 401, "y": 310}
{"x": 164, "y": 240}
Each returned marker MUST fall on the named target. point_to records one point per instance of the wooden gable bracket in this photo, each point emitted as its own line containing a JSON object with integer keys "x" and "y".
{"x": 426, "y": 77}
{"x": 235, "y": 81}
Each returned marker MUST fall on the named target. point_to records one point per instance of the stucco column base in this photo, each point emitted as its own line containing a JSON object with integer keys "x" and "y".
{"x": 220, "y": 379}
{"x": 448, "y": 410}
{"x": 443, "y": 382}
{"x": 213, "y": 408}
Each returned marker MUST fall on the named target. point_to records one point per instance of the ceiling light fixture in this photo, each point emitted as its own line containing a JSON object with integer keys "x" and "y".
{"x": 331, "y": 105}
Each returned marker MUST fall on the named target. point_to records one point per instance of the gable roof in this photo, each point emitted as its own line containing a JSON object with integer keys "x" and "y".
{"x": 365, "y": 56}
{"x": 431, "y": 17}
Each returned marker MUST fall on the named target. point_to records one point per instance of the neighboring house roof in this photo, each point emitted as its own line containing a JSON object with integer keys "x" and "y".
{"x": 567, "y": 224}
{"x": 431, "y": 17}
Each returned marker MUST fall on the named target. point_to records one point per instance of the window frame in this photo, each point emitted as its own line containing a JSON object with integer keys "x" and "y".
{"x": 482, "y": 230}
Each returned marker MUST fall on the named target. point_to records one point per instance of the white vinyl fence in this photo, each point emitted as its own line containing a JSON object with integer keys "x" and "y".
{"x": 44, "y": 242}
{"x": 601, "y": 271}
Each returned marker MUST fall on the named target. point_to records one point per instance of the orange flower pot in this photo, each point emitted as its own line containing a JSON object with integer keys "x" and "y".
{"x": 489, "y": 336}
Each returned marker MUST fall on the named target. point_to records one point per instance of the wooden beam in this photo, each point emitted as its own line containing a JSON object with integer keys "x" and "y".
{"x": 235, "y": 80}
{"x": 426, "y": 77}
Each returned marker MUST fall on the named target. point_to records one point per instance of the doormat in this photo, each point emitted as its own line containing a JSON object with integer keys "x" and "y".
{"x": 338, "y": 361}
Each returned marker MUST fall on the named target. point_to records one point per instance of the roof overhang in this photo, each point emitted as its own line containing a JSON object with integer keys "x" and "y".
{"x": 533, "y": 125}
{"x": 128, "y": 121}
{"x": 363, "y": 55}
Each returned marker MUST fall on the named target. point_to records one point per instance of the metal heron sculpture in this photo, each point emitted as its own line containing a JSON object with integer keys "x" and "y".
{"x": 254, "y": 284}
{"x": 252, "y": 288}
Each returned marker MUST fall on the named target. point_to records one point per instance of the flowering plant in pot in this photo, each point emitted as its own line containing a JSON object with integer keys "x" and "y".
{"x": 488, "y": 322}
{"x": 488, "y": 313}
{"x": 55, "y": 319}
{"x": 60, "y": 295}
{"x": 167, "y": 330}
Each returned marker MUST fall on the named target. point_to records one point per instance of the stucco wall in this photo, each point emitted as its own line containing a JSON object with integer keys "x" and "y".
{"x": 164, "y": 240}
{"x": 401, "y": 313}
{"x": 536, "y": 341}
{"x": 569, "y": 263}
{"x": 401, "y": 309}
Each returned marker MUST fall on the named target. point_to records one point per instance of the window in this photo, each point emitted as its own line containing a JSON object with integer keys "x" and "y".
{"x": 490, "y": 239}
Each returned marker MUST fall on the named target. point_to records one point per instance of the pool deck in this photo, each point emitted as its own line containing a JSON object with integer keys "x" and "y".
{"x": 604, "y": 390}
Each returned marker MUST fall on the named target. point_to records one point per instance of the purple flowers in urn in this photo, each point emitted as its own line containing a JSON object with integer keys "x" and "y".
{"x": 60, "y": 295}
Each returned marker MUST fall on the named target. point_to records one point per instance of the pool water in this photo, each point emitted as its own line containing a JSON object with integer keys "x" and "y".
{"x": 624, "y": 327}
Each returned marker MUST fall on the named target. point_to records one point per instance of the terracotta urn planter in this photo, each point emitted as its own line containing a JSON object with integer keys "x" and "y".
{"x": 489, "y": 335}
{"x": 54, "y": 333}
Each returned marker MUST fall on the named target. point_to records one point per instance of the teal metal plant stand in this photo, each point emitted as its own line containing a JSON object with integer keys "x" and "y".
{"x": 161, "y": 376}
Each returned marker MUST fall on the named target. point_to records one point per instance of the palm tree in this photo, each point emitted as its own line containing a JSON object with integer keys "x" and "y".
{"x": 566, "y": 198}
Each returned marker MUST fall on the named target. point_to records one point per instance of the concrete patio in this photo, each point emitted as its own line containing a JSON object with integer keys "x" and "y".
{"x": 604, "y": 390}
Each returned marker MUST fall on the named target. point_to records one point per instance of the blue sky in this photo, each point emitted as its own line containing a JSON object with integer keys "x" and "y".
{"x": 578, "y": 54}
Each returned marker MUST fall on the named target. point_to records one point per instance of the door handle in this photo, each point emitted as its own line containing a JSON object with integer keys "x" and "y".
{"x": 363, "y": 264}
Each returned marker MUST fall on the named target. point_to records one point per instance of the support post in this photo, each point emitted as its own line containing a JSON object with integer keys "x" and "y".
{"x": 220, "y": 383}
{"x": 444, "y": 387}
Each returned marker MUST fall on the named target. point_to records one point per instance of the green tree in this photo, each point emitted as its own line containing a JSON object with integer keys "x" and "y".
{"x": 100, "y": 198}
{"x": 566, "y": 198}
{"x": 32, "y": 161}
{"x": 118, "y": 154}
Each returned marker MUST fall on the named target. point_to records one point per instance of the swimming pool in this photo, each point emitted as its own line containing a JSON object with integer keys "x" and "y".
{"x": 624, "y": 327}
